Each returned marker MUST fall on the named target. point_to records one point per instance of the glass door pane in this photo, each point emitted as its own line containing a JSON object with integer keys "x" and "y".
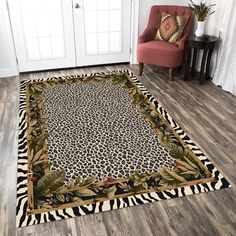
{"x": 43, "y": 33}
{"x": 103, "y": 23}
{"x": 102, "y": 31}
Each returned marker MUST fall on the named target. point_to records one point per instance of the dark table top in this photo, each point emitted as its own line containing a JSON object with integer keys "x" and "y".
{"x": 205, "y": 38}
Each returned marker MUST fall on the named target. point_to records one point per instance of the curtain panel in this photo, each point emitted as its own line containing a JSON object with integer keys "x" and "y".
{"x": 225, "y": 75}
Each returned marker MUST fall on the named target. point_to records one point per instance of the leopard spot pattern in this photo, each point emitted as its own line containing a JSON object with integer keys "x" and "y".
{"x": 96, "y": 130}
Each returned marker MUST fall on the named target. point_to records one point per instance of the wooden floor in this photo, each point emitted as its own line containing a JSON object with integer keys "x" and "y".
{"x": 205, "y": 112}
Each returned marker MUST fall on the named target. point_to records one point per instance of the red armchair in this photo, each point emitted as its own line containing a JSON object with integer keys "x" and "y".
{"x": 154, "y": 52}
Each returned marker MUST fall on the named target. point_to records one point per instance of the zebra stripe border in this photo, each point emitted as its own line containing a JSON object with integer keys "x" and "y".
{"x": 23, "y": 219}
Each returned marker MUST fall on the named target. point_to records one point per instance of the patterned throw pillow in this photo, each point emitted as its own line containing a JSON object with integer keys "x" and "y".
{"x": 171, "y": 28}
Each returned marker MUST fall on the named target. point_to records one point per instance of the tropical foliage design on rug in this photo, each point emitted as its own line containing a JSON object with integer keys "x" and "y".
{"x": 48, "y": 189}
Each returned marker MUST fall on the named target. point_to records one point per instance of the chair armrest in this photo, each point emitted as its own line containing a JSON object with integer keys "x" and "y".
{"x": 181, "y": 42}
{"x": 187, "y": 31}
{"x": 148, "y": 35}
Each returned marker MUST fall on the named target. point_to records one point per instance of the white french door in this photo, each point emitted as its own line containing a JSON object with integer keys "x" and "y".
{"x": 51, "y": 34}
{"x": 102, "y": 31}
{"x": 43, "y": 33}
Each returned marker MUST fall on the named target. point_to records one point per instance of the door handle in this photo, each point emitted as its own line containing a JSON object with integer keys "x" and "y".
{"x": 77, "y": 6}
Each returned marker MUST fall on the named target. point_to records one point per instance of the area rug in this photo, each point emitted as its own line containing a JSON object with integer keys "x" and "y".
{"x": 98, "y": 142}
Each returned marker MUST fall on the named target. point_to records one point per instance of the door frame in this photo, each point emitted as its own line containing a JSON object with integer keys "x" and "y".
{"x": 134, "y": 30}
{"x": 9, "y": 67}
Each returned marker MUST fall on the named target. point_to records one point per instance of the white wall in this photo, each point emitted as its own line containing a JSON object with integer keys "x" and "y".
{"x": 8, "y": 66}
{"x": 215, "y": 22}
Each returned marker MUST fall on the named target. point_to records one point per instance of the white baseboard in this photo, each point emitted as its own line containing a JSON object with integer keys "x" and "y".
{"x": 8, "y": 72}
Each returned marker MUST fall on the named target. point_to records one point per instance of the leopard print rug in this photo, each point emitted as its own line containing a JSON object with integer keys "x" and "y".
{"x": 97, "y": 131}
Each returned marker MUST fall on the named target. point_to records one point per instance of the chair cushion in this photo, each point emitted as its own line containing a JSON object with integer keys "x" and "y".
{"x": 160, "y": 46}
{"x": 171, "y": 28}
{"x": 160, "y": 53}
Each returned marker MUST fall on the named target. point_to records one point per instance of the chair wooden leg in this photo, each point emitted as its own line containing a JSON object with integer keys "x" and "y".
{"x": 140, "y": 68}
{"x": 171, "y": 74}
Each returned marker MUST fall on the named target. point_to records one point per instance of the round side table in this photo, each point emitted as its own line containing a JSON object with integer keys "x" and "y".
{"x": 193, "y": 45}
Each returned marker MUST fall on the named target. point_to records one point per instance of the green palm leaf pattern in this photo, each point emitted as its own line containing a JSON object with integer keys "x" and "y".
{"x": 49, "y": 183}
